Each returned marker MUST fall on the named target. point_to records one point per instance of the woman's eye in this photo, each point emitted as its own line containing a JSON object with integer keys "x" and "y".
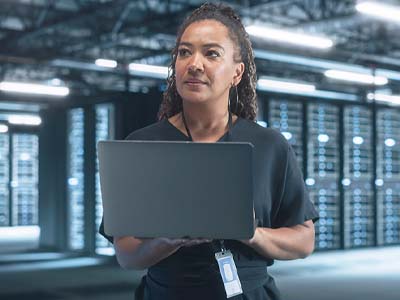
{"x": 183, "y": 52}
{"x": 213, "y": 53}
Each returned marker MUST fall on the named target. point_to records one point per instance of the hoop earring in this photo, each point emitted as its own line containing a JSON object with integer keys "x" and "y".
{"x": 239, "y": 105}
{"x": 229, "y": 98}
{"x": 237, "y": 97}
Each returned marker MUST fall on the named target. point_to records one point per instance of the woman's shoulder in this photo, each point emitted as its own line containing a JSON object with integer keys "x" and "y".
{"x": 263, "y": 134}
{"x": 152, "y": 131}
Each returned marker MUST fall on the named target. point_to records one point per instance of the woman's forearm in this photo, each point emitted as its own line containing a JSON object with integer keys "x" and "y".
{"x": 284, "y": 243}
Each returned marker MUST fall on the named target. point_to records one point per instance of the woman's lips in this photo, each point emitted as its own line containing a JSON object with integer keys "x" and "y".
{"x": 194, "y": 82}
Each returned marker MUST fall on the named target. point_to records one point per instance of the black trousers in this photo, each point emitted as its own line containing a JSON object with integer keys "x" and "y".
{"x": 152, "y": 290}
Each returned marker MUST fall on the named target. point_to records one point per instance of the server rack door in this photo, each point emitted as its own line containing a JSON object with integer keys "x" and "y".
{"x": 24, "y": 184}
{"x": 19, "y": 192}
{"x": 4, "y": 179}
{"x": 388, "y": 176}
{"x": 75, "y": 184}
{"x": 323, "y": 172}
{"x": 359, "y": 206}
{"x": 287, "y": 117}
{"x": 104, "y": 131}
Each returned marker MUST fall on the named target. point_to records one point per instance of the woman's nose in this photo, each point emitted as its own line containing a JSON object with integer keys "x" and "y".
{"x": 196, "y": 64}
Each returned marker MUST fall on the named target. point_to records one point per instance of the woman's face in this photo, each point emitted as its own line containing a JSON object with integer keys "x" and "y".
{"x": 205, "y": 68}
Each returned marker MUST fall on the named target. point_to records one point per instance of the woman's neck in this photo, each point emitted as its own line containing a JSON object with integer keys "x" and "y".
{"x": 202, "y": 117}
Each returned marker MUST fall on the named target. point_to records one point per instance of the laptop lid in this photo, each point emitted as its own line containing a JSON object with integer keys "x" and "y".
{"x": 177, "y": 189}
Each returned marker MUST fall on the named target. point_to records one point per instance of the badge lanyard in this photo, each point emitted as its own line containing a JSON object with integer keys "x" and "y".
{"x": 224, "y": 257}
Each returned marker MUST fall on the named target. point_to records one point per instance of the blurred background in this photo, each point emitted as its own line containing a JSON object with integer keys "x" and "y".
{"x": 73, "y": 72}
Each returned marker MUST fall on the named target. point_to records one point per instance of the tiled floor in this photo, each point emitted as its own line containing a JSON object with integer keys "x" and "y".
{"x": 367, "y": 274}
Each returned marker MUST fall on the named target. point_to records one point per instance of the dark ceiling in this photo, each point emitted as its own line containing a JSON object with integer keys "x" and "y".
{"x": 45, "y": 39}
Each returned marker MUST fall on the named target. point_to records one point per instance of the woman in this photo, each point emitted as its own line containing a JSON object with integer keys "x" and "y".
{"x": 210, "y": 98}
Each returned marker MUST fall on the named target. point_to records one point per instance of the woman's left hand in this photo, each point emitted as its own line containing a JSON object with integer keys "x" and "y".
{"x": 284, "y": 243}
{"x": 251, "y": 241}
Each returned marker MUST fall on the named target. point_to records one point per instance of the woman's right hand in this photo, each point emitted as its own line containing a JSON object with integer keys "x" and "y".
{"x": 195, "y": 242}
{"x": 177, "y": 243}
{"x": 141, "y": 253}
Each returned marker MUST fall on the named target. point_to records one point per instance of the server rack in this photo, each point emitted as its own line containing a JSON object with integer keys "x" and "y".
{"x": 4, "y": 180}
{"x": 286, "y": 116}
{"x": 84, "y": 199}
{"x": 388, "y": 176}
{"x": 323, "y": 171}
{"x": 19, "y": 178}
{"x": 76, "y": 179}
{"x": 104, "y": 131}
{"x": 359, "y": 206}
{"x": 24, "y": 184}
{"x": 321, "y": 154}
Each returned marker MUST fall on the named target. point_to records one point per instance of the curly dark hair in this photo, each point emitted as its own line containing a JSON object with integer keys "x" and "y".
{"x": 246, "y": 105}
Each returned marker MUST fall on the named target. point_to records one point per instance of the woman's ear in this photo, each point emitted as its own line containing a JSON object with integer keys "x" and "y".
{"x": 238, "y": 73}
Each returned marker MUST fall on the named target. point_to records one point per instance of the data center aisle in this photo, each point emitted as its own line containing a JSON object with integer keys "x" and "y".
{"x": 365, "y": 274}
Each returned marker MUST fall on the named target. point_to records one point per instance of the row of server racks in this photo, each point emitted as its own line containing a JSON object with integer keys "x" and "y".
{"x": 350, "y": 158}
{"x": 103, "y": 130}
{"x": 349, "y": 155}
{"x": 19, "y": 179}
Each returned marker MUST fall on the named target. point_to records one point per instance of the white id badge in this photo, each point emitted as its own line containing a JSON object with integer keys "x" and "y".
{"x": 229, "y": 274}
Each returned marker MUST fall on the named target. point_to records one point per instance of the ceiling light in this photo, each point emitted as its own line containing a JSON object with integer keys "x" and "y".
{"x": 80, "y": 65}
{"x": 380, "y": 10}
{"x": 148, "y": 70}
{"x": 268, "y": 83}
{"x": 106, "y": 63}
{"x": 37, "y": 89}
{"x": 3, "y": 128}
{"x": 289, "y": 37}
{"x": 277, "y": 85}
{"x": 356, "y": 77}
{"x": 322, "y": 64}
{"x": 24, "y": 120}
{"x": 392, "y": 99}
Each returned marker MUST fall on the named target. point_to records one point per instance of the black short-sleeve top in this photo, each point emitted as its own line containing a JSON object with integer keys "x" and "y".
{"x": 280, "y": 200}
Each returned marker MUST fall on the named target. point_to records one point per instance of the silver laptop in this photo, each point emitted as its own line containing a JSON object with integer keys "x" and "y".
{"x": 177, "y": 189}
